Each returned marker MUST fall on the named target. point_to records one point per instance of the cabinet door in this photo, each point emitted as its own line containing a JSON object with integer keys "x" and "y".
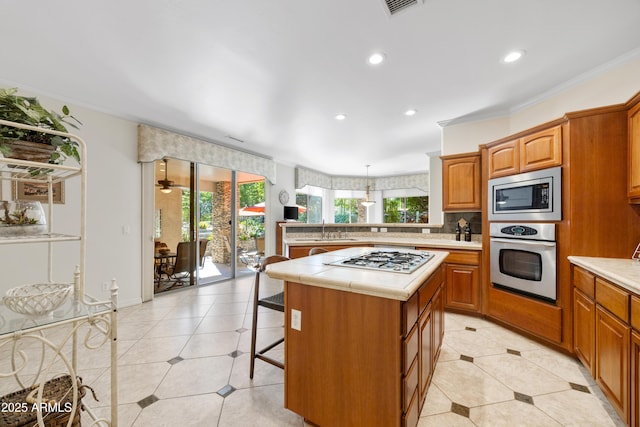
{"x": 541, "y": 150}
{"x": 461, "y": 183}
{"x": 584, "y": 317}
{"x": 463, "y": 287}
{"x": 424, "y": 356}
{"x": 612, "y": 360}
{"x": 503, "y": 159}
{"x": 635, "y": 378}
{"x": 634, "y": 154}
{"x": 437, "y": 313}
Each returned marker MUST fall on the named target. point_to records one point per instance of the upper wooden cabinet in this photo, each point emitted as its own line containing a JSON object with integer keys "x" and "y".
{"x": 461, "y": 183}
{"x": 541, "y": 150}
{"x": 503, "y": 159}
{"x": 634, "y": 154}
{"x": 538, "y": 150}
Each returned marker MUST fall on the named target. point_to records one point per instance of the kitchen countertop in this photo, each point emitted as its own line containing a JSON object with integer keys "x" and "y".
{"x": 398, "y": 241}
{"x": 313, "y": 270}
{"x": 621, "y": 271}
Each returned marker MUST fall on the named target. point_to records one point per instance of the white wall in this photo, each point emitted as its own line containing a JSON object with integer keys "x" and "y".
{"x": 285, "y": 180}
{"x": 614, "y": 85}
{"x": 113, "y": 213}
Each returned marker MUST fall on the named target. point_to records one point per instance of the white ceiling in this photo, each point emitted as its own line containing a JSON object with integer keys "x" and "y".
{"x": 275, "y": 73}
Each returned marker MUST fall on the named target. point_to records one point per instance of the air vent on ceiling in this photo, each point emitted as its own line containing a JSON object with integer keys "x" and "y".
{"x": 395, "y": 6}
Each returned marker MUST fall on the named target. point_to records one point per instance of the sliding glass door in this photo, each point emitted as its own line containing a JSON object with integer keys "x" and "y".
{"x": 209, "y": 224}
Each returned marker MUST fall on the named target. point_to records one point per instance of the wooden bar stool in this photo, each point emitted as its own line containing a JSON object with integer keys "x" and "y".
{"x": 273, "y": 302}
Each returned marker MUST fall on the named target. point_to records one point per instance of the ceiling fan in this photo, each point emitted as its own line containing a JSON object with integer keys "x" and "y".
{"x": 164, "y": 184}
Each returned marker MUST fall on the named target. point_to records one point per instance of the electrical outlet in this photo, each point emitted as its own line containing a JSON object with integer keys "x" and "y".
{"x": 426, "y": 230}
{"x": 105, "y": 286}
{"x": 296, "y": 319}
{"x": 374, "y": 229}
{"x": 383, "y": 229}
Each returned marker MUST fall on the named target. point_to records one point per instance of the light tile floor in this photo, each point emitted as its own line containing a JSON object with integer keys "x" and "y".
{"x": 183, "y": 361}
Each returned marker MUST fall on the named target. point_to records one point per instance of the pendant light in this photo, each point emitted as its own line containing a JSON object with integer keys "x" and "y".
{"x": 367, "y": 201}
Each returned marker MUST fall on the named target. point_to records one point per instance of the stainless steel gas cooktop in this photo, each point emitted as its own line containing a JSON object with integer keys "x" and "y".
{"x": 387, "y": 260}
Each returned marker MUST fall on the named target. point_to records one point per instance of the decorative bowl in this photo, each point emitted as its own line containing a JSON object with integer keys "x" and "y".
{"x": 164, "y": 251}
{"x": 37, "y": 299}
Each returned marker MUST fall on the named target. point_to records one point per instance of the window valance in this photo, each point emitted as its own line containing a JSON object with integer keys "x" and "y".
{"x": 319, "y": 179}
{"x": 155, "y": 143}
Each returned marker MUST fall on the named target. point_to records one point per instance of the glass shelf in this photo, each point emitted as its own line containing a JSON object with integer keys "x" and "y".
{"x": 37, "y": 238}
{"x": 71, "y": 309}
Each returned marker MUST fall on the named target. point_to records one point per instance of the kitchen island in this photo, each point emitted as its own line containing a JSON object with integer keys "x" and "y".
{"x": 360, "y": 344}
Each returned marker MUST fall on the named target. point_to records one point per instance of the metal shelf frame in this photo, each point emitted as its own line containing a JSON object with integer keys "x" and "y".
{"x": 97, "y": 320}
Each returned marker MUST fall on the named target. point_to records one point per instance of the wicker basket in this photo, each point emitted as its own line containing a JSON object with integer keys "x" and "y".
{"x": 58, "y": 390}
{"x": 27, "y": 150}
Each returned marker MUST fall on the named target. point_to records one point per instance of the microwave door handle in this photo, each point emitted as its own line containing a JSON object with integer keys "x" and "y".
{"x": 525, "y": 242}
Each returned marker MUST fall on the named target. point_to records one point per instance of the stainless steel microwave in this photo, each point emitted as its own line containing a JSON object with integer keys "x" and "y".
{"x": 529, "y": 196}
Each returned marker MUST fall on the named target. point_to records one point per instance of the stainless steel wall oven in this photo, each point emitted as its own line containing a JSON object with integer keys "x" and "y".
{"x": 523, "y": 259}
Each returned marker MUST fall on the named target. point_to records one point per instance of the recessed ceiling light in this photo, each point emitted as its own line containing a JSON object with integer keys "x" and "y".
{"x": 513, "y": 56}
{"x": 341, "y": 116}
{"x": 410, "y": 112}
{"x": 376, "y": 58}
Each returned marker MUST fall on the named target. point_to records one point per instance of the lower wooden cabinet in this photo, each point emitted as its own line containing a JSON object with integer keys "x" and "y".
{"x": 302, "y": 251}
{"x": 359, "y": 359}
{"x": 635, "y": 379}
{"x": 438, "y": 323}
{"x": 612, "y": 360}
{"x": 463, "y": 287}
{"x": 584, "y": 318}
{"x": 604, "y": 316}
{"x": 425, "y": 354}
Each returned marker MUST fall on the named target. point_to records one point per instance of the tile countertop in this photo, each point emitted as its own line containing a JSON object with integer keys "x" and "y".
{"x": 621, "y": 271}
{"x": 314, "y": 270}
{"x": 397, "y": 241}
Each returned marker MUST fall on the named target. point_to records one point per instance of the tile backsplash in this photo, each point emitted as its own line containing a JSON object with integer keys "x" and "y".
{"x": 452, "y": 218}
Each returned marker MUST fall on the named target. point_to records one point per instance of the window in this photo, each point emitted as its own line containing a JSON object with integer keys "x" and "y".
{"x": 310, "y": 198}
{"x": 345, "y": 210}
{"x": 406, "y": 209}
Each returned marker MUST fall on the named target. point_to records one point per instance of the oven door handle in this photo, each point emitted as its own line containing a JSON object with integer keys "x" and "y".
{"x": 524, "y": 242}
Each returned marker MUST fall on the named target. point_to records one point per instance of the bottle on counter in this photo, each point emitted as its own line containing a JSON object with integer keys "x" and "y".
{"x": 467, "y": 233}
{"x": 458, "y": 232}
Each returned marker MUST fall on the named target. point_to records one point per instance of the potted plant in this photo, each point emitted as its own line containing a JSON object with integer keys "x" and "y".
{"x": 32, "y": 145}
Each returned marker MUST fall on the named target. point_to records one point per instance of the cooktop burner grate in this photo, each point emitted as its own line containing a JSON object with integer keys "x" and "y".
{"x": 394, "y": 261}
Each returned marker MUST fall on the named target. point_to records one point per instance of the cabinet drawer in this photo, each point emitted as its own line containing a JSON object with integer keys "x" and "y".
{"x": 613, "y": 299}
{"x": 635, "y": 312}
{"x": 409, "y": 385}
{"x": 584, "y": 281}
{"x": 428, "y": 289}
{"x": 409, "y": 349}
{"x": 409, "y": 314}
{"x": 466, "y": 257}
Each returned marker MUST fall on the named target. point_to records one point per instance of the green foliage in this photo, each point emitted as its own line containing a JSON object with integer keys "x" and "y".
{"x": 345, "y": 211}
{"x": 406, "y": 209}
{"x": 251, "y": 193}
{"x": 301, "y": 200}
{"x": 251, "y": 227}
{"x": 28, "y": 111}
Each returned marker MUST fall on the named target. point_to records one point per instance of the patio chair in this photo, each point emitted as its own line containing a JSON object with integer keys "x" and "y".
{"x": 180, "y": 270}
